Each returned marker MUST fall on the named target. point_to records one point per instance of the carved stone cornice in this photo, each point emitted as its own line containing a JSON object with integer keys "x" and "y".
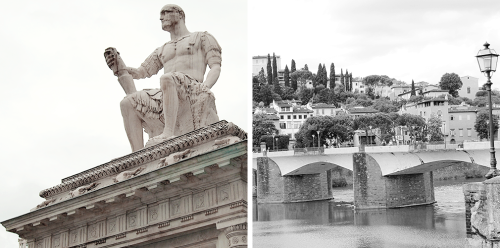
{"x": 158, "y": 151}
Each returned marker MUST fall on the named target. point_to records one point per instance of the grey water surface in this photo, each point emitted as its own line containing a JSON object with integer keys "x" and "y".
{"x": 335, "y": 223}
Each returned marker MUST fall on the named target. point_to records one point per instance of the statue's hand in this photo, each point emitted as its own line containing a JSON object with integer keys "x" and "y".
{"x": 114, "y": 61}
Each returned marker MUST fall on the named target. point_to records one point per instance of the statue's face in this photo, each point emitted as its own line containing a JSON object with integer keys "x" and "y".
{"x": 169, "y": 17}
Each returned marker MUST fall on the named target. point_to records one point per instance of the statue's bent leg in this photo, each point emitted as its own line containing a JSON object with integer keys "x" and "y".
{"x": 170, "y": 103}
{"x": 133, "y": 124}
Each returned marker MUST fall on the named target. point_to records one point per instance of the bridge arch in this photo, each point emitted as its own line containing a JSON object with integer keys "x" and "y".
{"x": 309, "y": 182}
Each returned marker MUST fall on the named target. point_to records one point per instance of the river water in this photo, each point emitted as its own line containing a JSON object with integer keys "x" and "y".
{"x": 335, "y": 223}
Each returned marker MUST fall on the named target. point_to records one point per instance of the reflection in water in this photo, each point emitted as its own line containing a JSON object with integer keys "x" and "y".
{"x": 336, "y": 224}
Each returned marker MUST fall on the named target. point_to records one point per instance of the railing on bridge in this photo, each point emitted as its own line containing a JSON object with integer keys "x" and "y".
{"x": 436, "y": 145}
{"x": 309, "y": 151}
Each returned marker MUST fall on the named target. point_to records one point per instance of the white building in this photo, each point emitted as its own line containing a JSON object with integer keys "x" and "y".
{"x": 259, "y": 62}
{"x": 469, "y": 88}
{"x": 291, "y": 116}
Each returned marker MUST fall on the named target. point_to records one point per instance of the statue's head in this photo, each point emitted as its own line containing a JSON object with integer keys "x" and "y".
{"x": 171, "y": 15}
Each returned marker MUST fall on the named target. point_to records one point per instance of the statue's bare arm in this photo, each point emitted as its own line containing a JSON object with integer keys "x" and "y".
{"x": 212, "y": 76}
{"x": 212, "y": 51}
{"x": 125, "y": 74}
{"x": 151, "y": 66}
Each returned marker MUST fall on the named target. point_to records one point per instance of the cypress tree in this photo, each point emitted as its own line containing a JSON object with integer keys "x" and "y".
{"x": 275, "y": 67}
{"x": 324, "y": 76}
{"x": 412, "y": 88}
{"x": 350, "y": 80}
{"x": 287, "y": 76}
{"x": 269, "y": 70}
{"x": 294, "y": 81}
{"x": 332, "y": 76}
{"x": 306, "y": 68}
{"x": 276, "y": 86}
{"x": 342, "y": 78}
{"x": 319, "y": 77}
{"x": 346, "y": 80}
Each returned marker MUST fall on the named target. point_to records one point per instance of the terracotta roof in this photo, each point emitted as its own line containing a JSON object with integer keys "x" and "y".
{"x": 269, "y": 110}
{"x": 272, "y": 117}
{"x": 301, "y": 109}
{"x": 362, "y": 110}
{"x": 323, "y": 105}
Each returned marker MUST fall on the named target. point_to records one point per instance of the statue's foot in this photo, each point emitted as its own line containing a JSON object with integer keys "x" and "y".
{"x": 492, "y": 173}
{"x": 158, "y": 139}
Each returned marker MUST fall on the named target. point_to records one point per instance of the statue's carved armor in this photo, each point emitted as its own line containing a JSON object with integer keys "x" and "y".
{"x": 194, "y": 96}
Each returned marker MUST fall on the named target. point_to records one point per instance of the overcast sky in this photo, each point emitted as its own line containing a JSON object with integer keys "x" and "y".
{"x": 419, "y": 40}
{"x": 60, "y": 102}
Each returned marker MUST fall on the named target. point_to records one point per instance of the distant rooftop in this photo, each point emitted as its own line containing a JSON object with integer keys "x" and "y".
{"x": 264, "y": 56}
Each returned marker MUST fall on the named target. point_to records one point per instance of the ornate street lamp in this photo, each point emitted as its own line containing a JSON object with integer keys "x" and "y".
{"x": 487, "y": 59}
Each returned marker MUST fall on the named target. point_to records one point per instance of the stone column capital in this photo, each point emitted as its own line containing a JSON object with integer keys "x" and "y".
{"x": 237, "y": 235}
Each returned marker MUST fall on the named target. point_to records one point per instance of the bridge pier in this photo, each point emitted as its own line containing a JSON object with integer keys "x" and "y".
{"x": 373, "y": 190}
{"x": 273, "y": 187}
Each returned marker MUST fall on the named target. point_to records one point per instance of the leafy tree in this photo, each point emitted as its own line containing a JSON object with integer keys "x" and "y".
{"x": 413, "y": 88}
{"x": 306, "y": 68}
{"x": 434, "y": 128}
{"x": 276, "y": 86}
{"x": 261, "y": 126}
{"x": 266, "y": 94}
{"x": 318, "y": 88}
{"x": 287, "y": 76}
{"x": 275, "y": 68}
{"x": 294, "y": 81}
{"x": 384, "y": 105}
{"x": 324, "y": 95}
{"x": 288, "y": 93}
{"x": 451, "y": 82}
{"x": 342, "y": 96}
{"x": 338, "y": 127}
{"x": 481, "y": 93}
{"x": 332, "y": 76}
{"x": 269, "y": 70}
{"x": 301, "y": 77}
{"x": 271, "y": 142}
{"x": 256, "y": 89}
{"x": 416, "y": 98}
{"x": 370, "y": 92}
{"x": 415, "y": 123}
{"x": 482, "y": 126}
{"x": 262, "y": 77}
{"x": 483, "y": 101}
{"x": 305, "y": 95}
{"x": 374, "y": 79}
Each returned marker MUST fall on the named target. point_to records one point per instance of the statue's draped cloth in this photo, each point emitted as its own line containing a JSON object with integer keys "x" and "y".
{"x": 196, "y": 101}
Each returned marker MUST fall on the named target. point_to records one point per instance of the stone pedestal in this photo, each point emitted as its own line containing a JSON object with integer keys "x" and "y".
{"x": 188, "y": 191}
{"x": 482, "y": 203}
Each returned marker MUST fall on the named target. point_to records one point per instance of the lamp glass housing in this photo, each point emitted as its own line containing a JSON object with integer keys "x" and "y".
{"x": 487, "y": 59}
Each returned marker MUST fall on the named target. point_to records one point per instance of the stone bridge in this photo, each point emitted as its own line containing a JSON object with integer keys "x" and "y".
{"x": 381, "y": 178}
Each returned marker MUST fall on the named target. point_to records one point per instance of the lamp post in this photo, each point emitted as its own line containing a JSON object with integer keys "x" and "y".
{"x": 273, "y": 141}
{"x": 487, "y": 59}
{"x": 444, "y": 135}
{"x": 277, "y": 143}
{"x": 312, "y": 135}
{"x": 318, "y": 138}
{"x": 487, "y": 131}
{"x": 370, "y": 134}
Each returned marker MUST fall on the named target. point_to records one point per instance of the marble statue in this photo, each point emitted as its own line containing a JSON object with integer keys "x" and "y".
{"x": 184, "y": 101}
